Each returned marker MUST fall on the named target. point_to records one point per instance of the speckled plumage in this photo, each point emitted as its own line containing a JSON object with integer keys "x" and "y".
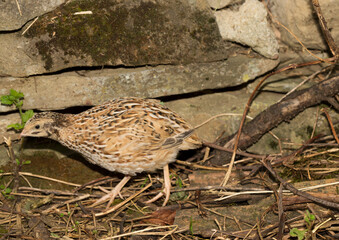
{"x": 127, "y": 135}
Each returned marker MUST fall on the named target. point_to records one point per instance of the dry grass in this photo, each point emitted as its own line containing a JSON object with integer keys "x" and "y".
{"x": 33, "y": 213}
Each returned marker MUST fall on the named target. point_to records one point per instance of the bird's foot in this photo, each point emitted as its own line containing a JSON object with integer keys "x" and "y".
{"x": 167, "y": 188}
{"x": 111, "y": 195}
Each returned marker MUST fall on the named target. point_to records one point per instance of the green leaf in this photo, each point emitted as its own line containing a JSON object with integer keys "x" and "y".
{"x": 8, "y": 190}
{"x": 191, "y": 226}
{"x": 17, "y": 161}
{"x": 26, "y": 162}
{"x": 2, "y": 186}
{"x": 12, "y": 92}
{"x": 61, "y": 214}
{"x": 295, "y": 232}
{"x": 54, "y": 235}
{"x": 12, "y": 98}
{"x": 312, "y": 217}
{"x": 5, "y": 100}
{"x": 16, "y": 94}
{"x": 16, "y": 126}
{"x": 309, "y": 217}
{"x": 178, "y": 182}
{"x": 19, "y": 104}
{"x": 144, "y": 183}
{"x": 27, "y": 115}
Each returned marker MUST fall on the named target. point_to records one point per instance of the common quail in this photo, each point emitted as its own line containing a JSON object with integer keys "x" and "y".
{"x": 128, "y": 135}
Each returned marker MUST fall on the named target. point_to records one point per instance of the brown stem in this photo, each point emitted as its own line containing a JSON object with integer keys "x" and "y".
{"x": 288, "y": 186}
{"x": 328, "y": 37}
{"x": 285, "y": 110}
{"x": 331, "y": 125}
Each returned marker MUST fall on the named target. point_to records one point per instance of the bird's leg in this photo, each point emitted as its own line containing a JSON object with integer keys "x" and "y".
{"x": 111, "y": 196}
{"x": 166, "y": 190}
{"x": 167, "y": 183}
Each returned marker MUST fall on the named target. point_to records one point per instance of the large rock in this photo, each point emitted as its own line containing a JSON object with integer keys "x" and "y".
{"x": 14, "y": 14}
{"x": 218, "y": 4}
{"x": 249, "y": 26}
{"x": 200, "y": 108}
{"x": 302, "y": 21}
{"x": 88, "y": 88}
{"x": 288, "y": 80}
{"x": 4, "y": 132}
{"x": 128, "y": 33}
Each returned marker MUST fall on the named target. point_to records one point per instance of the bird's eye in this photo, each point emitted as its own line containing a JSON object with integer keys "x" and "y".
{"x": 37, "y": 126}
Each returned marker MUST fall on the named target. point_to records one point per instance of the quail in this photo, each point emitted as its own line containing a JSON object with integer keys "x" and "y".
{"x": 127, "y": 135}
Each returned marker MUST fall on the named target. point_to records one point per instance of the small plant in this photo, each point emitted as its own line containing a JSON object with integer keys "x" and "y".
{"x": 144, "y": 183}
{"x": 16, "y": 98}
{"x": 178, "y": 196}
{"x": 54, "y": 235}
{"x": 5, "y": 191}
{"x": 303, "y": 234}
{"x": 191, "y": 226}
{"x": 300, "y": 234}
{"x": 27, "y": 162}
{"x": 309, "y": 219}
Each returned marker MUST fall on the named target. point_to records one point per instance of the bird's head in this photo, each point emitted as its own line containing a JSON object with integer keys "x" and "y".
{"x": 42, "y": 125}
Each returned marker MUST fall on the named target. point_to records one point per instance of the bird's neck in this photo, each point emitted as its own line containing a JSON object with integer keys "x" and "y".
{"x": 60, "y": 125}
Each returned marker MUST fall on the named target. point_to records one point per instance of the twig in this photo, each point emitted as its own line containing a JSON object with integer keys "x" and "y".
{"x": 48, "y": 178}
{"x": 320, "y": 224}
{"x": 30, "y": 25}
{"x": 318, "y": 186}
{"x": 295, "y": 153}
{"x": 331, "y": 124}
{"x": 236, "y": 141}
{"x": 217, "y": 116}
{"x": 83, "y": 13}
{"x": 285, "y": 110}
{"x": 96, "y": 181}
{"x": 244, "y": 154}
{"x": 331, "y": 150}
{"x": 142, "y": 231}
{"x": 67, "y": 202}
{"x": 16, "y": 166}
{"x": 123, "y": 202}
{"x": 230, "y": 194}
{"x": 170, "y": 232}
{"x": 18, "y": 6}
{"x": 333, "y": 102}
{"x": 280, "y": 213}
{"x": 200, "y": 166}
{"x": 259, "y": 229}
{"x": 288, "y": 186}
{"x": 303, "y": 82}
{"x": 51, "y": 191}
{"x": 328, "y": 37}
{"x": 227, "y": 188}
{"x": 315, "y": 123}
{"x": 295, "y": 37}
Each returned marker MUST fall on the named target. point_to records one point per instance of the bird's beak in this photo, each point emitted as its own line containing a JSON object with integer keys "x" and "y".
{"x": 22, "y": 134}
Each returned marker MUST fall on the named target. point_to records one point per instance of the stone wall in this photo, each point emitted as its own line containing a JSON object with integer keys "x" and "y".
{"x": 206, "y": 56}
